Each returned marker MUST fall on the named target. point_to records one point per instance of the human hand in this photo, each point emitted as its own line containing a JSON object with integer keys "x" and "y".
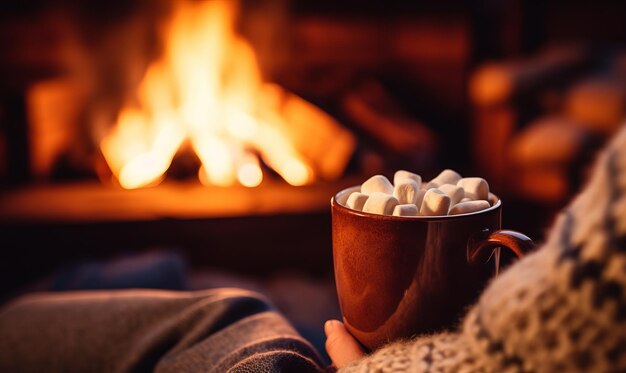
{"x": 341, "y": 345}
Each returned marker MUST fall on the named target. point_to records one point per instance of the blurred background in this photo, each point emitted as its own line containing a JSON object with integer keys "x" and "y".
{"x": 194, "y": 144}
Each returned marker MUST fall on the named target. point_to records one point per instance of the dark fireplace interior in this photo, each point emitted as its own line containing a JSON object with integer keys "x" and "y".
{"x": 521, "y": 93}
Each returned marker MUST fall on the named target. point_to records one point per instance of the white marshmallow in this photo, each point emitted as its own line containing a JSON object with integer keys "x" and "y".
{"x": 405, "y": 210}
{"x": 435, "y": 203}
{"x": 475, "y": 187}
{"x": 377, "y": 183}
{"x": 492, "y": 199}
{"x": 403, "y": 175}
{"x": 469, "y": 206}
{"x": 446, "y": 176}
{"x": 356, "y": 201}
{"x": 380, "y": 203}
{"x": 406, "y": 191}
{"x": 465, "y": 199}
{"x": 420, "y": 197}
{"x": 456, "y": 193}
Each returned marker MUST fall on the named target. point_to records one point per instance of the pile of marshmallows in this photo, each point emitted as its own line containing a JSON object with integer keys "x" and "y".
{"x": 446, "y": 194}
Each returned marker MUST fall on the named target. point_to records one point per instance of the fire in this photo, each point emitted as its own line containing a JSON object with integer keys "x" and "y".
{"x": 206, "y": 90}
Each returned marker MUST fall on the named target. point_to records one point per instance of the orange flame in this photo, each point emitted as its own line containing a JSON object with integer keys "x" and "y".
{"x": 206, "y": 89}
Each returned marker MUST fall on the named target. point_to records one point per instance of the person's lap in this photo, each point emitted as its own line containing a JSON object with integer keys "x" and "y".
{"x": 150, "y": 330}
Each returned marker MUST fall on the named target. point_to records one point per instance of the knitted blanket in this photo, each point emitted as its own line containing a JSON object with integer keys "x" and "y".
{"x": 559, "y": 309}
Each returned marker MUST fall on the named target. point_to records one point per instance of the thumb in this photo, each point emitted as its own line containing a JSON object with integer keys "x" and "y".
{"x": 340, "y": 344}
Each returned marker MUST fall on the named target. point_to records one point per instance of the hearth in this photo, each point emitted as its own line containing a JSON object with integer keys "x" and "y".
{"x": 222, "y": 128}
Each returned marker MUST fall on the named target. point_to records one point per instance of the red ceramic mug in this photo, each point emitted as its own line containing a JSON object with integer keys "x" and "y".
{"x": 401, "y": 276}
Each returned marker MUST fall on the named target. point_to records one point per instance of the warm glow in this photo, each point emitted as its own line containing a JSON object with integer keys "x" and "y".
{"x": 207, "y": 89}
{"x": 249, "y": 173}
{"x": 139, "y": 152}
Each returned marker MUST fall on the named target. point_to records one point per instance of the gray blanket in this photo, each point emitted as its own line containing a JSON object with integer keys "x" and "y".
{"x": 150, "y": 330}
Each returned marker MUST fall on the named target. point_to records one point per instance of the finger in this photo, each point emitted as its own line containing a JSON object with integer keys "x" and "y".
{"x": 340, "y": 344}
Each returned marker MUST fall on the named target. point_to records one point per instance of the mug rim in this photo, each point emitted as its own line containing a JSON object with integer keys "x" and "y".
{"x": 335, "y": 204}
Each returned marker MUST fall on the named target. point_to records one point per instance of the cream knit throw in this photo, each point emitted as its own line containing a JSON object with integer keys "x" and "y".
{"x": 560, "y": 309}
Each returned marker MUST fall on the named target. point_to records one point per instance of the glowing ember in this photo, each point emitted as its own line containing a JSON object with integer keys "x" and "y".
{"x": 207, "y": 89}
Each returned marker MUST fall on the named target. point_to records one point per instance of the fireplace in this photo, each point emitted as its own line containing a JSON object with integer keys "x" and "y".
{"x": 194, "y": 124}
{"x": 223, "y": 128}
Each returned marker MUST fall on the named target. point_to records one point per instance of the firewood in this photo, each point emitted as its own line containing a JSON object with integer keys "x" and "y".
{"x": 374, "y": 111}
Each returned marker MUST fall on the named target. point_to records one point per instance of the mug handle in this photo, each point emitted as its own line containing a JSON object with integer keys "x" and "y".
{"x": 481, "y": 246}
